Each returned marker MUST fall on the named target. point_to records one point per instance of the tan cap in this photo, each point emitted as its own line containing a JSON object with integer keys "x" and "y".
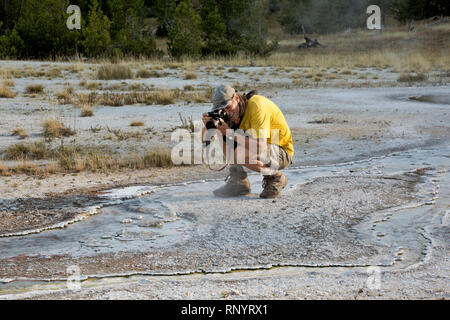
{"x": 222, "y": 96}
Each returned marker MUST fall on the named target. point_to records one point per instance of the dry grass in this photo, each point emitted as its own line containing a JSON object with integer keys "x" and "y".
{"x": 86, "y": 110}
{"x": 149, "y": 74}
{"x": 53, "y": 128}
{"x": 91, "y": 85}
{"x": 8, "y": 83}
{"x": 190, "y": 76}
{"x": 395, "y": 47}
{"x": 186, "y": 123}
{"x": 20, "y": 132}
{"x": 411, "y": 77}
{"x": 30, "y": 151}
{"x": 89, "y": 98}
{"x": 114, "y": 72}
{"x": 159, "y": 158}
{"x": 5, "y": 92}
{"x": 163, "y": 97}
{"x": 137, "y": 124}
{"x": 4, "y": 170}
{"x": 65, "y": 97}
{"x": 34, "y": 88}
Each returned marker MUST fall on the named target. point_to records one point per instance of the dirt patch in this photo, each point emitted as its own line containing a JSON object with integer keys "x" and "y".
{"x": 20, "y": 212}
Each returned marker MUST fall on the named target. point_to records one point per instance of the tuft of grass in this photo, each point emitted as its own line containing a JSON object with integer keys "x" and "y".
{"x": 53, "y": 128}
{"x": 31, "y": 151}
{"x": 233, "y": 70}
{"x": 65, "y": 97}
{"x": 346, "y": 72}
{"x": 8, "y": 83}
{"x": 190, "y": 76}
{"x": 4, "y": 170}
{"x": 20, "y": 132}
{"x": 163, "y": 97}
{"x": 323, "y": 120}
{"x": 149, "y": 74}
{"x": 160, "y": 158}
{"x": 5, "y": 92}
{"x": 86, "y": 110}
{"x": 91, "y": 85}
{"x": 76, "y": 158}
{"x": 411, "y": 77}
{"x": 114, "y": 72}
{"x": 186, "y": 123}
{"x": 34, "y": 88}
{"x": 198, "y": 98}
{"x": 137, "y": 124}
{"x": 298, "y": 83}
{"x": 89, "y": 98}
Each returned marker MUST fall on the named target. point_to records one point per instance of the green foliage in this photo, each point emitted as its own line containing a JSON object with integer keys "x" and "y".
{"x": 245, "y": 22}
{"x": 131, "y": 39}
{"x": 96, "y": 33}
{"x": 405, "y": 10}
{"x": 254, "y": 35}
{"x": 11, "y": 45}
{"x": 42, "y": 27}
{"x": 184, "y": 35}
{"x": 124, "y": 10}
{"x": 164, "y": 11}
{"x": 214, "y": 33}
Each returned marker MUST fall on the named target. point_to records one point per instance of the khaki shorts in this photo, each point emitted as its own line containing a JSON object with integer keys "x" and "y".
{"x": 277, "y": 159}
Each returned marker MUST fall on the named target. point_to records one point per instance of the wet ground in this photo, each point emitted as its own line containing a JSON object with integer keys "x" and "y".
{"x": 366, "y": 213}
{"x": 369, "y": 187}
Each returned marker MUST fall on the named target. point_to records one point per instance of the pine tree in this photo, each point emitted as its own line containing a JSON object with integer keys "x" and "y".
{"x": 184, "y": 35}
{"x": 131, "y": 39}
{"x": 214, "y": 33}
{"x": 164, "y": 11}
{"x": 122, "y": 11}
{"x": 42, "y": 27}
{"x": 11, "y": 45}
{"x": 96, "y": 33}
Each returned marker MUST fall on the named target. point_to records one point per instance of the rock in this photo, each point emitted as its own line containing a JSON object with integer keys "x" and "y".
{"x": 151, "y": 224}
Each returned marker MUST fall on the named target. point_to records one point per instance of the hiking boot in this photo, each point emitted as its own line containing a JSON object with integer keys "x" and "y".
{"x": 237, "y": 184}
{"x": 273, "y": 185}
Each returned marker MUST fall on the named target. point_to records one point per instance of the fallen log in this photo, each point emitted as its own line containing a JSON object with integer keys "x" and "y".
{"x": 309, "y": 43}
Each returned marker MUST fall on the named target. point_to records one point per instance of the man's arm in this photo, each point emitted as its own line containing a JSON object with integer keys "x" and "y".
{"x": 257, "y": 145}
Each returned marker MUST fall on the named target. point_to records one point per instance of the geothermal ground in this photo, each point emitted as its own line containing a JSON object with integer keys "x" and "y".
{"x": 365, "y": 214}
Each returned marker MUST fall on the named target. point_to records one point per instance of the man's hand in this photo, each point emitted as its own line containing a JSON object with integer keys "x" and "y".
{"x": 222, "y": 126}
{"x": 205, "y": 118}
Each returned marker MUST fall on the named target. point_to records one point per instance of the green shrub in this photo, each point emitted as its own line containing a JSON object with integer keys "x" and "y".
{"x": 42, "y": 27}
{"x": 11, "y": 45}
{"x": 184, "y": 35}
{"x": 214, "y": 31}
{"x": 96, "y": 33}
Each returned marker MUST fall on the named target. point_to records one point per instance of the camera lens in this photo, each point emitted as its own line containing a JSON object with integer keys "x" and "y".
{"x": 210, "y": 125}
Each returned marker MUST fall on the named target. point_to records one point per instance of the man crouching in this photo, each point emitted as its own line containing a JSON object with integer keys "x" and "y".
{"x": 256, "y": 136}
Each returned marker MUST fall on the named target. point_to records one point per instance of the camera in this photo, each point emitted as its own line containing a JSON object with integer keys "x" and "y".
{"x": 215, "y": 116}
